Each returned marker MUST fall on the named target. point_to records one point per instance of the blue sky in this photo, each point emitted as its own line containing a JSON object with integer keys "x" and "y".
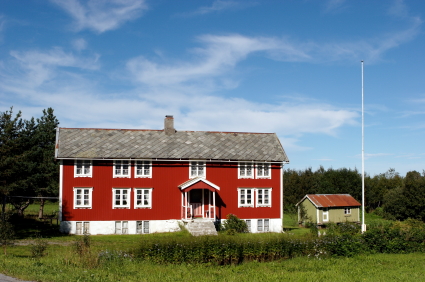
{"x": 290, "y": 67}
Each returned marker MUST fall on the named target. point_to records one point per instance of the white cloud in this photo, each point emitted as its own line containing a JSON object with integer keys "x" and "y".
{"x": 37, "y": 67}
{"x": 53, "y": 78}
{"x": 220, "y": 54}
{"x": 219, "y": 6}
{"x": 399, "y": 9}
{"x": 371, "y": 50}
{"x": 79, "y": 44}
{"x": 102, "y": 15}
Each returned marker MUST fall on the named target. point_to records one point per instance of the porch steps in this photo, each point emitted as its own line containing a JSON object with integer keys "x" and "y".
{"x": 201, "y": 227}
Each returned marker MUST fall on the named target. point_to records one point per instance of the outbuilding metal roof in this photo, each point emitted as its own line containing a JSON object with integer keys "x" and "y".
{"x": 93, "y": 143}
{"x": 331, "y": 200}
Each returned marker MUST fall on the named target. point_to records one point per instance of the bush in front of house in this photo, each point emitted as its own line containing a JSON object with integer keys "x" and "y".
{"x": 396, "y": 237}
{"x": 234, "y": 224}
{"x": 222, "y": 250}
{"x": 351, "y": 228}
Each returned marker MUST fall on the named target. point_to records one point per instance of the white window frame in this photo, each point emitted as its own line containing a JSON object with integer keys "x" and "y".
{"x": 121, "y": 199}
{"x": 145, "y": 227}
{"x": 325, "y": 214}
{"x": 347, "y": 211}
{"x": 84, "y": 165}
{"x": 244, "y": 192}
{"x": 140, "y": 167}
{"x": 195, "y": 166}
{"x": 83, "y": 229}
{"x": 243, "y": 170}
{"x": 143, "y": 193}
{"x": 263, "y": 227}
{"x": 121, "y": 169}
{"x": 122, "y": 227}
{"x": 262, "y": 191}
{"x": 89, "y": 194}
{"x": 261, "y": 168}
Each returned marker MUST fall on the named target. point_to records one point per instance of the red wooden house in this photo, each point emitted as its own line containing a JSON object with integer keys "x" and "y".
{"x": 144, "y": 181}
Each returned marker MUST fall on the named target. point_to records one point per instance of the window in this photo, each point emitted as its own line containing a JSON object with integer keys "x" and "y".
{"x": 197, "y": 169}
{"x": 82, "y": 228}
{"x": 263, "y": 225}
{"x": 143, "y": 198}
{"x": 347, "y": 211}
{"x": 245, "y": 197}
{"x": 82, "y": 168}
{"x": 264, "y": 197}
{"x": 142, "y": 227}
{"x": 82, "y": 197}
{"x": 263, "y": 170}
{"x": 121, "y": 168}
{"x": 248, "y": 224}
{"x": 245, "y": 170}
{"x": 121, "y": 227}
{"x": 325, "y": 214}
{"x": 121, "y": 198}
{"x": 143, "y": 169}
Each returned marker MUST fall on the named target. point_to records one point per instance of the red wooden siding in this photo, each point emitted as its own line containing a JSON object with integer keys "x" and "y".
{"x": 166, "y": 195}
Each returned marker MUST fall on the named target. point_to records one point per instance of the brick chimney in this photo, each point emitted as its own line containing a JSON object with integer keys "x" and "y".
{"x": 169, "y": 125}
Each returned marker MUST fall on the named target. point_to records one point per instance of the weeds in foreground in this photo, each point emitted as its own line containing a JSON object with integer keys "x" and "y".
{"x": 39, "y": 247}
{"x": 82, "y": 248}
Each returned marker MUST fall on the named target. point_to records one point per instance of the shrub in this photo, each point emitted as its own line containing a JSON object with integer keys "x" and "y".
{"x": 379, "y": 211}
{"x": 350, "y": 228}
{"x": 344, "y": 240}
{"x": 233, "y": 222}
{"x": 345, "y": 245}
{"x": 38, "y": 249}
{"x": 82, "y": 245}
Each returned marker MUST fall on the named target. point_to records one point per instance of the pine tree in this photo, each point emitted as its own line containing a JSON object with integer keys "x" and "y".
{"x": 27, "y": 164}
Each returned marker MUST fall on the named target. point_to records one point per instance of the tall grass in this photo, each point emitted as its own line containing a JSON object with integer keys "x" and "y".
{"x": 243, "y": 257}
{"x": 59, "y": 266}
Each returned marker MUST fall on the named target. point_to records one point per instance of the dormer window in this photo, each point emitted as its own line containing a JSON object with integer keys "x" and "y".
{"x": 82, "y": 168}
{"x": 122, "y": 168}
{"x": 197, "y": 169}
{"x": 263, "y": 170}
{"x": 246, "y": 170}
{"x": 143, "y": 169}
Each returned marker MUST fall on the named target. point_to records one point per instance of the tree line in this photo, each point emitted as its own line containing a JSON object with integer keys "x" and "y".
{"x": 389, "y": 194}
{"x": 27, "y": 164}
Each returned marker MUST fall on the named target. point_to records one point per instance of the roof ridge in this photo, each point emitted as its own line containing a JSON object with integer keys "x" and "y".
{"x": 135, "y": 129}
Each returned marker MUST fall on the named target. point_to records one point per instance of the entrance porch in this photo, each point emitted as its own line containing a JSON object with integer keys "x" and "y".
{"x": 198, "y": 199}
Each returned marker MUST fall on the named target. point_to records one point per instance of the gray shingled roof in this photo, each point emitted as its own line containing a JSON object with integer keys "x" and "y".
{"x": 155, "y": 144}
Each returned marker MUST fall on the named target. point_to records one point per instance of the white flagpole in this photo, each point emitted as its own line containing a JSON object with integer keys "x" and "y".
{"x": 363, "y": 201}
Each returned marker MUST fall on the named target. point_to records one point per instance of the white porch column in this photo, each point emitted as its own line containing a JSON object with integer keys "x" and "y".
{"x": 186, "y": 204}
{"x": 214, "y": 204}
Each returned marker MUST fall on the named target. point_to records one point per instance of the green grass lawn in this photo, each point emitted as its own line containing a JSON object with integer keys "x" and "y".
{"x": 61, "y": 263}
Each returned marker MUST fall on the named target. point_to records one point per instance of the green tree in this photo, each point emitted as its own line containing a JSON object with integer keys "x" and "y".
{"x": 27, "y": 165}
{"x": 10, "y": 153}
{"x": 414, "y": 193}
